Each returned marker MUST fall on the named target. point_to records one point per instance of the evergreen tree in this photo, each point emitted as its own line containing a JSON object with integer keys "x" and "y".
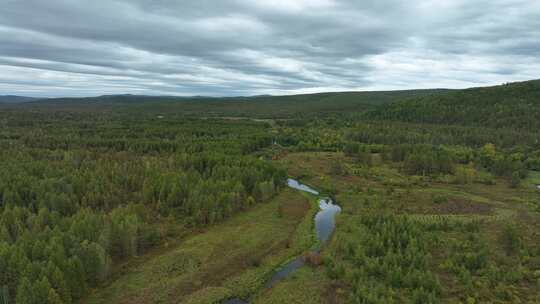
{"x": 25, "y": 292}
{"x": 54, "y": 298}
{"x": 60, "y": 286}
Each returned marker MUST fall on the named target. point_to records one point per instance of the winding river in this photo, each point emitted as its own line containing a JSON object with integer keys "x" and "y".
{"x": 324, "y": 225}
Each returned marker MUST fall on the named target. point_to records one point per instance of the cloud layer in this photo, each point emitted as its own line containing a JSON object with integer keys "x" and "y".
{"x": 246, "y": 47}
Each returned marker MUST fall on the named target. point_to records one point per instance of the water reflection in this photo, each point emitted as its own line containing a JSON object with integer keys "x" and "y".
{"x": 325, "y": 220}
{"x": 298, "y": 186}
{"x": 325, "y": 223}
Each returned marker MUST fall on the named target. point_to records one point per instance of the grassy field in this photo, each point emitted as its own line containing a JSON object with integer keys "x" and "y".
{"x": 307, "y": 286}
{"x": 229, "y": 259}
{"x": 383, "y": 188}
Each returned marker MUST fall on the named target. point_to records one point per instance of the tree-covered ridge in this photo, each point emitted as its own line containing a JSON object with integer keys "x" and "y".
{"x": 514, "y": 105}
{"x": 78, "y": 192}
{"x": 266, "y": 106}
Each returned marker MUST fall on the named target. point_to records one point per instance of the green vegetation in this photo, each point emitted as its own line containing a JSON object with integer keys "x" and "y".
{"x": 230, "y": 258}
{"x": 405, "y": 238}
{"x": 78, "y": 195}
{"x": 257, "y": 106}
{"x": 514, "y": 105}
{"x": 129, "y": 199}
{"x": 386, "y": 259}
{"x": 308, "y": 285}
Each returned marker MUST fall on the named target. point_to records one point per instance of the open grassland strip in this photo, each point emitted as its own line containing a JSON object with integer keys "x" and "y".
{"x": 307, "y": 285}
{"x": 230, "y": 258}
{"x": 303, "y": 238}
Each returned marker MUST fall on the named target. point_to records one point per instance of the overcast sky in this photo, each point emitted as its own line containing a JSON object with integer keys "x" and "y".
{"x": 251, "y": 47}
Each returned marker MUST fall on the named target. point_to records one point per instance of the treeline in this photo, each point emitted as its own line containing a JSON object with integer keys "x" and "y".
{"x": 329, "y": 135}
{"x": 463, "y": 163}
{"x": 78, "y": 194}
{"x": 207, "y": 189}
{"x": 429, "y": 160}
{"x": 467, "y": 153}
{"x": 314, "y": 136}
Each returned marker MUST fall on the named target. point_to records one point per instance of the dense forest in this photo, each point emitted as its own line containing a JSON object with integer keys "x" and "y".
{"x": 79, "y": 192}
{"x": 438, "y": 189}
{"x": 513, "y": 105}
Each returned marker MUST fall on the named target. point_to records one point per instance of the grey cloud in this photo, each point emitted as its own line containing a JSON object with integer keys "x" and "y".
{"x": 244, "y": 47}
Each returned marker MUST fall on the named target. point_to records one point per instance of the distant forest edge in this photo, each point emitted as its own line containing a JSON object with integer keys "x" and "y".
{"x": 257, "y": 106}
{"x": 514, "y": 105}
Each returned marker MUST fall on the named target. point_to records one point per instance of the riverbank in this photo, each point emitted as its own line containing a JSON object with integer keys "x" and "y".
{"x": 324, "y": 224}
{"x": 229, "y": 259}
{"x": 303, "y": 239}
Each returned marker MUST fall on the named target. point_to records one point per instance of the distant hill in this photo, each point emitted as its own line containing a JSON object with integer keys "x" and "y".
{"x": 515, "y": 105}
{"x": 255, "y": 106}
{"x": 15, "y": 99}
